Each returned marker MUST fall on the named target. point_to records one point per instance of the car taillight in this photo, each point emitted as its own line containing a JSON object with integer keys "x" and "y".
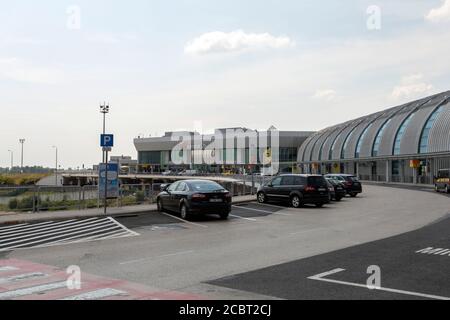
{"x": 198, "y": 197}
{"x": 348, "y": 183}
{"x": 310, "y": 189}
{"x": 228, "y": 195}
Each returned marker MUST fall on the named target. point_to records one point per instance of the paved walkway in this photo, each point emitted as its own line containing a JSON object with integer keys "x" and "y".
{"x": 398, "y": 184}
{"x": 14, "y": 218}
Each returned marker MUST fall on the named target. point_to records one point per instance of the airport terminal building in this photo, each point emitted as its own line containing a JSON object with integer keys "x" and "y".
{"x": 407, "y": 144}
{"x": 155, "y": 153}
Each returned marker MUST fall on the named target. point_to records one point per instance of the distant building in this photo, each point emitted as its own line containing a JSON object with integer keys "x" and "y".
{"x": 126, "y": 163}
{"x": 155, "y": 153}
{"x": 407, "y": 143}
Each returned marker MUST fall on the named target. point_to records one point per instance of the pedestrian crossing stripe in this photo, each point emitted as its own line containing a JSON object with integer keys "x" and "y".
{"x": 66, "y": 232}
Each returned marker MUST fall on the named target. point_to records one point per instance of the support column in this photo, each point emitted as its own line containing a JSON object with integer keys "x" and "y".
{"x": 357, "y": 169}
{"x": 388, "y": 170}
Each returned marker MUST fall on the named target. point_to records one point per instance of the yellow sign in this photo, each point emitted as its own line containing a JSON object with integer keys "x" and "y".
{"x": 267, "y": 156}
{"x": 414, "y": 164}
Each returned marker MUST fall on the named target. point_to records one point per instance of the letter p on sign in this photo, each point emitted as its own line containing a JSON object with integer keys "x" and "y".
{"x": 106, "y": 140}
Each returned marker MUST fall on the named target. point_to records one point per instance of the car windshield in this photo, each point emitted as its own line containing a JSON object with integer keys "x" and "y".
{"x": 206, "y": 186}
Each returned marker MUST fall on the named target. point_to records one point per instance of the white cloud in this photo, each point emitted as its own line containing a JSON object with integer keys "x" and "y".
{"x": 21, "y": 71}
{"x": 327, "y": 95}
{"x": 412, "y": 86}
{"x": 439, "y": 14}
{"x": 236, "y": 41}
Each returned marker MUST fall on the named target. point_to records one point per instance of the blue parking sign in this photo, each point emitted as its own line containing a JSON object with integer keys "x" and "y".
{"x": 107, "y": 140}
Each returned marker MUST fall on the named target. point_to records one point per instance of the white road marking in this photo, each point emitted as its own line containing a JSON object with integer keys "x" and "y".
{"x": 435, "y": 251}
{"x": 157, "y": 257}
{"x": 14, "y": 226}
{"x": 8, "y": 268}
{"x": 104, "y": 236}
{"x": 270, "y": 205}
{"x": 264, "y": 211}
{"x": 79, "y": 230}
{"x": 23, "y": 226}
{"x": 239, "y": 217}
{"x": 50, "y": 229}
{"x": 32, "y": 290}
{"x": 21, "y": 277}
{"x": 185, "y": 221}
{"x": 320, "y": 277}
{"x": 67, "y": 240}
{"x": 61, "y": 233}
{"x": 113, "y": 236}
{"x": 97, "y": 294}
{"x": 122, "y": 226}
{"x": 325, "y": 274}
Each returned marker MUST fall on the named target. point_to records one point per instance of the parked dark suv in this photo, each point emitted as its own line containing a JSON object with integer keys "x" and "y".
{"x": 338, "y": 190}
{"x": 350, "y": 182}
{"x": 297, "y": 189}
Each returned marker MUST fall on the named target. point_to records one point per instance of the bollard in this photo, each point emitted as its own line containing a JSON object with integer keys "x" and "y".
{"x": 252, "y": 192}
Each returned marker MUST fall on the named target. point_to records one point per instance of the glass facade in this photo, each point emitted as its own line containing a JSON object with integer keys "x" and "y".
{"x": 361, "y": 139}
{"x": 376, "y": 144}
{"x": 321, "y": 148}
{"x": 149, "y": 157}
{"x": 423, "y": 146}
{"x": 400, "y": 133}
{"x": 344, "y": 147}
{"x": 288, "y": 154}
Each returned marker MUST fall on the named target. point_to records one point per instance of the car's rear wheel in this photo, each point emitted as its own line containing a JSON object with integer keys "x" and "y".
{"x": 319, "y": 205}
{"x": 447, "y": 190}
{"x": 353, "y": 194}
{"x": 296, "y": 202}
{"x": 262, "y": 197}
{"x": 224, "y": 215}
{"x": 338, "y": 198}
{"x": 184, "y": 212}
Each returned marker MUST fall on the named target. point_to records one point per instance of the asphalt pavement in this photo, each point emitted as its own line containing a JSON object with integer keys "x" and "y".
{"x": 414, "y": 265}
{"x": 161, "y": 253}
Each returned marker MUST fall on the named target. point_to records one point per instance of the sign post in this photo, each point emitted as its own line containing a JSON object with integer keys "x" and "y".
{"x": 108, "y": 173}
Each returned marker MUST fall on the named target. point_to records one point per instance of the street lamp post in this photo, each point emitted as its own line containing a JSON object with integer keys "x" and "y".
{"x": 104, "y": 109}
{"x": 21, "y": 141}
{"x": 56, "y": 165}
{"x": 12, "y": 159}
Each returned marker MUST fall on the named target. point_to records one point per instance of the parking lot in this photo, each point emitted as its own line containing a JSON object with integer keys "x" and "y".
{"x": 268, "y": 250}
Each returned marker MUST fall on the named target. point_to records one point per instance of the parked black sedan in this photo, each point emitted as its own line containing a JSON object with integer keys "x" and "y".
{"x": 350, "y": 182}
{"x": 338, "y": 191}
{"x": 194, "y": 197}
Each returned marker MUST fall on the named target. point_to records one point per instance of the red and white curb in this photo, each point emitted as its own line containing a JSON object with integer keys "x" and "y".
{"x": 24, "y": 280}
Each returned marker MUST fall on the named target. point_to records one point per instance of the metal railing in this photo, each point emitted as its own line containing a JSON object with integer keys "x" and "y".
{"x": 42, "y": 198}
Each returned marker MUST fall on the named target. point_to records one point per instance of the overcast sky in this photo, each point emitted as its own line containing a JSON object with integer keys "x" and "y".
{"x": 169, "y": 65}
